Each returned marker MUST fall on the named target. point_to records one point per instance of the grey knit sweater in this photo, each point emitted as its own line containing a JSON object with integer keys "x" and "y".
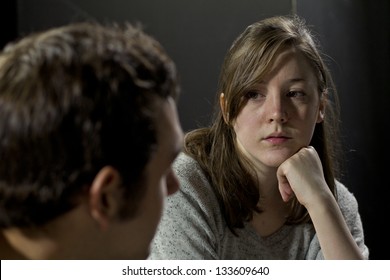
{"x": 193, "y": 227}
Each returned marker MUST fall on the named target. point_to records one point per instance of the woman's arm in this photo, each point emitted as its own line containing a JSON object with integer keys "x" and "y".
{"x": 302, "y": 175}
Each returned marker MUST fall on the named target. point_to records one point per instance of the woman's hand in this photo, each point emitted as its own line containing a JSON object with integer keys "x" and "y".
{"x": 302, "y": 175}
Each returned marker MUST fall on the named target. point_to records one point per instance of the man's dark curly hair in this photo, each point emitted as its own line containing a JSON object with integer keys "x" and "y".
{"x": 74, "y": 99}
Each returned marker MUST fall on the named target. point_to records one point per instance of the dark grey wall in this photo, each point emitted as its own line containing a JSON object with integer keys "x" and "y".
{"x": 195, "y": 33}
{"x": 8, "y": 21}
{"x": 355, "y": 35}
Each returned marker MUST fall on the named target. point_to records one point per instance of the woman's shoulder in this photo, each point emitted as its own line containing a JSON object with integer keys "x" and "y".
{"x": 185, "y": 163}
{"x": 186, "y": 166}
{"x": 194, "y": 184}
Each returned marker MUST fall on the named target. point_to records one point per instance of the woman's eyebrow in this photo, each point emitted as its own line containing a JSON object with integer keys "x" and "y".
{"x": 296, "y": 80}
{"x": 291, "y": 80}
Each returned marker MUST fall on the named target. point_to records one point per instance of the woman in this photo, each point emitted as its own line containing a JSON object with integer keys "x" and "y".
{"x": 262, "y": 181}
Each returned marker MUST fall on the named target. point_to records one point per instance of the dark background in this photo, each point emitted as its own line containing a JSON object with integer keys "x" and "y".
{"x": 354, "y": 34}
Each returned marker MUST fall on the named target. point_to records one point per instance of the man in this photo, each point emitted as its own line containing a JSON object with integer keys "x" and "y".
{"x": 88, "y": 132}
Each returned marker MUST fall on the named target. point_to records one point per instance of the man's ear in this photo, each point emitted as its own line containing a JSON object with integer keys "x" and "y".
{"x": 222, "y": 104}
{"x": 103, "y": 196}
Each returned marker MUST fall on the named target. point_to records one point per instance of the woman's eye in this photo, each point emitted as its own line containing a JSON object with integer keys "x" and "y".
{"x": 295, "y": 93}
{"x": 252, "y": 95}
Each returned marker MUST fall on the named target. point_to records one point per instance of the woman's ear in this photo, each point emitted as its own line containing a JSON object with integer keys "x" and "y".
{"x": 222, "y": 104}
{"x": 103, "y": 196}
{"x": 321, "y": 110}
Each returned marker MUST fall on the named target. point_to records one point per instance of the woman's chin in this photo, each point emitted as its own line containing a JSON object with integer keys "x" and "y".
{"x": 276, "y": 159}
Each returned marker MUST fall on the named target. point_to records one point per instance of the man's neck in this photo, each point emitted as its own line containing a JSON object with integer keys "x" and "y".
{"x": 7, "y": 251}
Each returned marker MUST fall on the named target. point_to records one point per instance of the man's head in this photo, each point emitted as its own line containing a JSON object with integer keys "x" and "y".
{"x": 85, "y": 109}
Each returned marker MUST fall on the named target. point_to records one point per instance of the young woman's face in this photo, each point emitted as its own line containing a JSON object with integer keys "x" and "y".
{"x": 279, "y": 114}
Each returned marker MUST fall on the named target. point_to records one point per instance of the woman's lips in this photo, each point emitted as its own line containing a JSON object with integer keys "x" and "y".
{"x": 277, "y": 139}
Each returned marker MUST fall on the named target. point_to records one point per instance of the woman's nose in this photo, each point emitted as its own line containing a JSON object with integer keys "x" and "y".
{"x": 276, "y": 108}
